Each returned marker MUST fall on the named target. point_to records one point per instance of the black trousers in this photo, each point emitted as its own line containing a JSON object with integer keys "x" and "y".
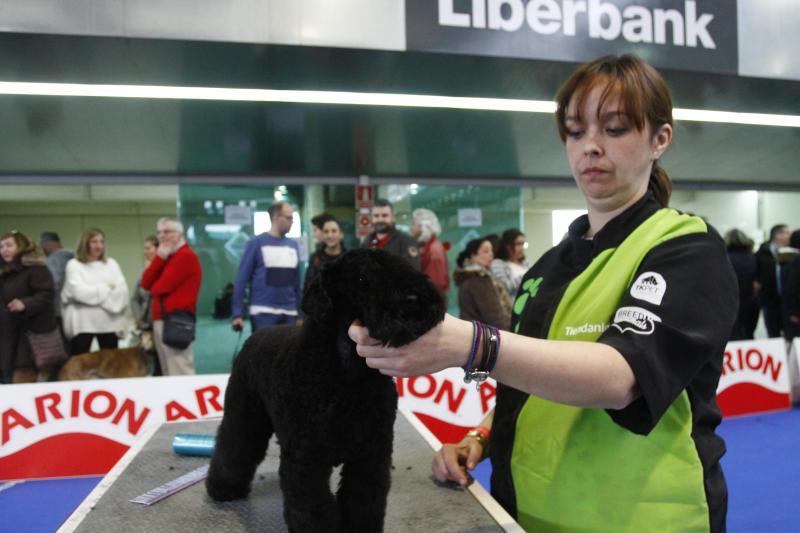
{"x": 773, "y": 319}
{"x": 82, "y": 342}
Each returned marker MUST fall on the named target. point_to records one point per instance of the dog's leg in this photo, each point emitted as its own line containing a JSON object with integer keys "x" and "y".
{"x": 308, "y": 504}
{"x": 242, "y": 438}
{"x": 365, "y": 483}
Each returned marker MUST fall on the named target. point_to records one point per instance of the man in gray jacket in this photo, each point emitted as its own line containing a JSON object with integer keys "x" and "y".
{"x": 57, "y": 258}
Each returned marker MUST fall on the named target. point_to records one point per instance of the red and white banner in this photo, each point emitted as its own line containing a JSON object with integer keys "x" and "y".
{"x": 445, "y": 404}
{"x": 79, "y": 428}
{"x": 794, "y": 370}
{"x": 755, "y": 377}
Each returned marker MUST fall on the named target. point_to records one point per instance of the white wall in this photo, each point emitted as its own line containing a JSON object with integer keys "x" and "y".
{"x": 753, "y": 212}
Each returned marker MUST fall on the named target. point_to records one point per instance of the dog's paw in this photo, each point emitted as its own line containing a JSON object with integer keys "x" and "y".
{"x": 223, "y": 492}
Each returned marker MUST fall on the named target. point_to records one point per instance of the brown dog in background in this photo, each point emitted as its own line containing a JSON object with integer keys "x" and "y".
{"x": 108, "y": 363}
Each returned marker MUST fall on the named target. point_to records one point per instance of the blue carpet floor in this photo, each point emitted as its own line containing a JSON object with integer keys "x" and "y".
{"x": 761, "y": 468}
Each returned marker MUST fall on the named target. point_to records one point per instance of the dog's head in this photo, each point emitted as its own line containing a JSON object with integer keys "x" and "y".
{"x": 396, "y": 302}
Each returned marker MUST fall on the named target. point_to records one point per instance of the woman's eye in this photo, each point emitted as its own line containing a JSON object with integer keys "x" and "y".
{"x": 617, "y": 131}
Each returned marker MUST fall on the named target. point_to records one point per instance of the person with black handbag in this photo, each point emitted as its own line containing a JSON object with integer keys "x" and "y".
{"x": 173, "y": 279}
{"x": 29, "y": 340}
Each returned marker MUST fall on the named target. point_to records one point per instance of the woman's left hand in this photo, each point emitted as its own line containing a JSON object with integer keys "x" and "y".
{"x": 445, "y": 345}
{"x": 16, "y": 305}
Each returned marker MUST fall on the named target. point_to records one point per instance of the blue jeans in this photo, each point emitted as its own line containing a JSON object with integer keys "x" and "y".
{"x": 263, "y": 320}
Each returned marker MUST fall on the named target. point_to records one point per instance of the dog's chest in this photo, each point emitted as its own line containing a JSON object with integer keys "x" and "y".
{"x": 354, "y": 416}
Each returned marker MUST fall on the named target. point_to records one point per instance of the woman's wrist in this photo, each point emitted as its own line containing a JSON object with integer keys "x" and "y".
{"x": 481, "y": 434}
{"x": 462, "y": 337}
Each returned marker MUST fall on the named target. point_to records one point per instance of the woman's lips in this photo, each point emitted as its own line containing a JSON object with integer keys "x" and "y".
{"x": 594, "y": 172}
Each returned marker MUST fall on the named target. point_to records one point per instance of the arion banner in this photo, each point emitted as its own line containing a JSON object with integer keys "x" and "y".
{"x": 755, "y": 377}
{"x": 81, "y": 428}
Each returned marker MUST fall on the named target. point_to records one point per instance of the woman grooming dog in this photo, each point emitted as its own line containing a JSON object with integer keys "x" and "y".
{"x": 606, "y": 414}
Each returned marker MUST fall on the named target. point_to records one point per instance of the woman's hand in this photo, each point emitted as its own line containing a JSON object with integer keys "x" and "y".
{"x": 454, "y": 461}
{"x": 446, "y": 345}
{"x": 16, "y": 306}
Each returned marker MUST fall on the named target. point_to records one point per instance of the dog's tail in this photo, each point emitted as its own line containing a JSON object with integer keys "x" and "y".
{"x": 243, "y": 435}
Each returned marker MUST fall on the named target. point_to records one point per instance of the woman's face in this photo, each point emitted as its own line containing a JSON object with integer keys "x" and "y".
{"x": 610, "y": 159}
{"x": 331, "y": 234}
{"x": 484, "y": 255}
{"x": 149, "y": 250}
{"x": 8, "y": 249}
{"x": 96, "y": 246}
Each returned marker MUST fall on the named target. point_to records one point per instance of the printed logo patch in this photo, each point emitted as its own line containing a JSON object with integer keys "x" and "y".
{"x": 636, "y": 320}
{"x": 650, "y": 287}
{"x": 526, "y": 292}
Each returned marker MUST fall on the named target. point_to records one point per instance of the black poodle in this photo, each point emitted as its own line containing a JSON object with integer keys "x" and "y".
{"x": 309, "y": 386}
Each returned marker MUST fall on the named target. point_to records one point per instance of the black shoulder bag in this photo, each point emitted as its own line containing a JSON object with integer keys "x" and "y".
{"x": 178, "y": 327}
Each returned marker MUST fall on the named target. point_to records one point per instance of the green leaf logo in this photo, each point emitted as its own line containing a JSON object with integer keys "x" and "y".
{"x": 529, "y": 290}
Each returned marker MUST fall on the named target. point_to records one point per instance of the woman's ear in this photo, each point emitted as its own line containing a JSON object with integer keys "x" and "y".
{"x": 661, "y": 140}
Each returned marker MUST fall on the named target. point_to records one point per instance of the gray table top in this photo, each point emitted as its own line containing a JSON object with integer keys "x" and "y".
{"x": 415, "y": 503}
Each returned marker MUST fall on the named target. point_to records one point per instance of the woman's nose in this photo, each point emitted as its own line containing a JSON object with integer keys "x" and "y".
{"x": 591, "y": 144}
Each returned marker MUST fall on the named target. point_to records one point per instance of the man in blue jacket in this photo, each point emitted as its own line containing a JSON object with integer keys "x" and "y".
{"x": 270, "y": 269}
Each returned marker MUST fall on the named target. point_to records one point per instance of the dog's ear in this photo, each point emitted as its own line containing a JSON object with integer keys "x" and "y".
{"x": 317, "y": 302}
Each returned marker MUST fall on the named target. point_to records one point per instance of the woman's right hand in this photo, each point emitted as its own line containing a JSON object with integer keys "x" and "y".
{"x": 454, "y": 461}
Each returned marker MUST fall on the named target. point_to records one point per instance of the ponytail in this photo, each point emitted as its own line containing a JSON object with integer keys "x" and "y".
{"x": 462, "y": 258}
{"x": 660, "y": 184}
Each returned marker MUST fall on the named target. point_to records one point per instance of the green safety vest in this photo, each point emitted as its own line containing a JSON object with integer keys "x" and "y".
{"x": 575, "y": 469}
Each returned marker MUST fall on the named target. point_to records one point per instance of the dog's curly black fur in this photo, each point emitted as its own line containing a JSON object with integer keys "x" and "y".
{"x": 310, "y": 387}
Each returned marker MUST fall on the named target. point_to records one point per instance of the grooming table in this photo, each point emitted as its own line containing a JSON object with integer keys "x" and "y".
{"x": 415, "y": 503}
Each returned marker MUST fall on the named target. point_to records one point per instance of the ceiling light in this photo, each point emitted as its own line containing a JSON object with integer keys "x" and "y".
{"x": 356, "y": 98}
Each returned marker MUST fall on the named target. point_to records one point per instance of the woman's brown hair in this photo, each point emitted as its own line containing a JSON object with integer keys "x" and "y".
{"x": 643, "y": 96}
{"x": 82, "y": 251}
{"x": 24, "y": 244}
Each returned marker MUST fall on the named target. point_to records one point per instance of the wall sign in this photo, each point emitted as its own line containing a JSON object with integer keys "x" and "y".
{"x": 681, "y": 34}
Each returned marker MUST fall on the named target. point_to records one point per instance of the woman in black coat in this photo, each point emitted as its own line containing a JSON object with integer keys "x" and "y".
{"x": 26, "y": 304}
{"x": 790, "y": 295}
{"x": 740, "y": 253}
{"x": 331, "y": 249}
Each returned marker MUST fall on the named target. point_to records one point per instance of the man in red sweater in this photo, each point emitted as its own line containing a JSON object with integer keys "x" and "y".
{"x": 425, "y": 228}
{"x": 173, "y": 278}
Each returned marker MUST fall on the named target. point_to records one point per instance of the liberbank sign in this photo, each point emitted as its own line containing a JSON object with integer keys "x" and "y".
{"x": 696, "y": 35}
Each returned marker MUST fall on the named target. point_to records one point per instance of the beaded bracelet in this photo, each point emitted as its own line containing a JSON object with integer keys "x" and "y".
{"x": 488, "y": 338}
{"x": 476, "y": 339}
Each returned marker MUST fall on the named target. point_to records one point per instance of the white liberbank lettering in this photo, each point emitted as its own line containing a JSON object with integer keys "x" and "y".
{"x": 636, "y": 24}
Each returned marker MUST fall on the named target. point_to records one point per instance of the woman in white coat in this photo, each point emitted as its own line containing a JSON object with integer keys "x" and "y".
{"x": 94, "y": 297}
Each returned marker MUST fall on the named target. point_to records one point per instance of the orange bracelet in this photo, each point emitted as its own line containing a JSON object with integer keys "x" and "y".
{"x": 481, "y": 434}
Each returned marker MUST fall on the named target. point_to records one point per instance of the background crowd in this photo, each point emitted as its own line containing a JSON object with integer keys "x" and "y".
{"x": 81, "y": 297}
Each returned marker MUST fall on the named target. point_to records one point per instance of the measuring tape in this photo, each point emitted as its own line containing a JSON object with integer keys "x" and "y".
{"x": 176, "y": 485}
